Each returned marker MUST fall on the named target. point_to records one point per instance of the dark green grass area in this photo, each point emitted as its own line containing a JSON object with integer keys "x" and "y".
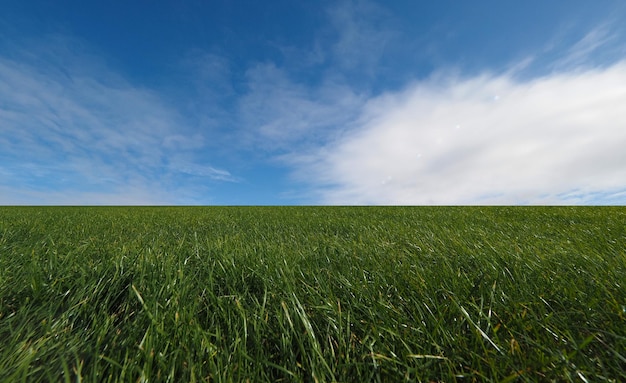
{"x": 308, "y": 294}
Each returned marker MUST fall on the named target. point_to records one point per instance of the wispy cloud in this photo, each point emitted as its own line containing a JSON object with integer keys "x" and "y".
{"x": 299, "y": 103}
{"x": 83, "y": 130}
{"x": 124, "y": 195}
{"x": 194, "y": 169}
{"x": 600, "y": 44}
{"x": 363, "y": 32}
{"x": 485, "y": 139}
{"x": 280, "y": 113}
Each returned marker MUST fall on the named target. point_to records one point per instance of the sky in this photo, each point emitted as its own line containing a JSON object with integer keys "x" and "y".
{"x": 292, "y": 102}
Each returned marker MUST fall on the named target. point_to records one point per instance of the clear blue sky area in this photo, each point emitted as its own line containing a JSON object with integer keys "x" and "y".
{"x": 300, "y": 102}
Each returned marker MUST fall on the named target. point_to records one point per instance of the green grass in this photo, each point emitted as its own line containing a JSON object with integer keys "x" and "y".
{"x": 309, "y": 294}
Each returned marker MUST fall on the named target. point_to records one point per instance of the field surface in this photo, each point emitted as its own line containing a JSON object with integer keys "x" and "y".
{"x": 360, "y": 294}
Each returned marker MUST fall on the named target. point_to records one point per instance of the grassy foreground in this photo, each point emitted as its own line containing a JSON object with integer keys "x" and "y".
{"x": 312, "y": 294}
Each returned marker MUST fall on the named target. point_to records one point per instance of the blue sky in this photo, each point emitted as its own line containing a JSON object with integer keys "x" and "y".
{"x": 300, "y": 102}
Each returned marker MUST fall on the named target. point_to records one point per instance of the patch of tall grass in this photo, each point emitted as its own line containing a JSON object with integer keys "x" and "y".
{"x": 312, "y": 294}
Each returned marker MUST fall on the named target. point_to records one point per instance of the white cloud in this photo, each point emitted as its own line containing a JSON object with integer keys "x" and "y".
{"x": 482, "y": 140}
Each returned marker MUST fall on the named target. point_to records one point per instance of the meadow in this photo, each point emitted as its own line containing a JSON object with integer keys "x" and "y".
{"x": 312, "y": 294}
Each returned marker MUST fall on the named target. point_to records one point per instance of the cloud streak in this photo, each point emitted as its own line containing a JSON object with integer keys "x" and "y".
{"x": 600, "y": 45}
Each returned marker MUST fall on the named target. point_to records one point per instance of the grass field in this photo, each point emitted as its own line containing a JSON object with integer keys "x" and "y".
{"x": 312, "y": 294}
